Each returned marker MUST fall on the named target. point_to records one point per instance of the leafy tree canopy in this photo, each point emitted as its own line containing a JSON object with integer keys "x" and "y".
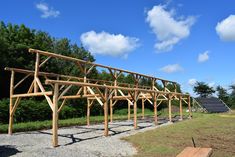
{"x": 203, "y": 89}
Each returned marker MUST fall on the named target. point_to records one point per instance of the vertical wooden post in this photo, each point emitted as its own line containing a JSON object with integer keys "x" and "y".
{"x": 143, "y": 108}
{"x": 88, "y": 112}
{"x": 111, "y": 110}
{"x": 189, "y": 107}
{"x": 135, "y": 110}
{"x": 115, "y": 82}
{"x": 169, "y": 108}
{"x": 36, "y": 72}
{"x": 129, "y": 111}
{"x": 181, "y": 109}
{"x": 11, "y": 114}
{"x": 55, "y": 116}
{"x": 106, "y": 129}
{"x": 155, "y": 109}
{"x": 84, "y": 87}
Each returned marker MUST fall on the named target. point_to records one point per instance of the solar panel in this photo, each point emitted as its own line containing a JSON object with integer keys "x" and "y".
{"x": 212, "y": 104}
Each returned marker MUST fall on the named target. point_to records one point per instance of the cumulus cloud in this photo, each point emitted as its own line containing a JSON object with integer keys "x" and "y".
{"x": 226, "y": 28}
{"x": 192, "y": 82}
{"x": 202, "y": 57}
{"x": 109, "y": 44}
{"x": 172, "y": 68}
{"x": 168, "y": 28}
{"x": 46, "y": 11}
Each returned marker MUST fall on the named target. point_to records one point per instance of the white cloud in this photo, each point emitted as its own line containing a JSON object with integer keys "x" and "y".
{"x": 226, "y": 28}
{"x": 172, "y": 68}
{"x": 109, "y": 44}
{"x": 192, "y": 82}
{"x": 46, "y": 11}
{"x": 211, "y": 84}
{"x": 202, "y": 57}
{"x": 169, "y": 30}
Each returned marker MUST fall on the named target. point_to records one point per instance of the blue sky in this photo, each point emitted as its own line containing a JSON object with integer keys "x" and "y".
{"x": 179, "y": 40}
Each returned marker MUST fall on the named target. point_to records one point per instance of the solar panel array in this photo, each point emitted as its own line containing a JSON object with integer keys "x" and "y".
{"x": 213, "y": 105}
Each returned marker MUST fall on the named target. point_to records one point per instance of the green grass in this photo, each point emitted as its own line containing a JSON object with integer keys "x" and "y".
{"x": 208, "y": 130}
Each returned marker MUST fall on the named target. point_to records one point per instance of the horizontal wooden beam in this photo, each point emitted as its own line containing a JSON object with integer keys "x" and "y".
{"x": 45, "y": 53}
{"x": 32, "y": 94}
{"x": 79, "y": 96}
{"x": 111, "y": 87}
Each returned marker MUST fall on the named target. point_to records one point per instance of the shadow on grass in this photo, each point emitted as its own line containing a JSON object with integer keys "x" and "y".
{"x": 8, "y": 150}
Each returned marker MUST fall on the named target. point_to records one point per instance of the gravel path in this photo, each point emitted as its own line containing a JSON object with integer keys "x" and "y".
{"x": 78, "y": 141}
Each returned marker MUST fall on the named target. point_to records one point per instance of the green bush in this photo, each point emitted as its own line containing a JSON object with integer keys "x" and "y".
{"x": 68, "y": 112}
{"x": 4, "y": 111}
{"x": 34, "y": 110}
{"x": 124, "y": 111}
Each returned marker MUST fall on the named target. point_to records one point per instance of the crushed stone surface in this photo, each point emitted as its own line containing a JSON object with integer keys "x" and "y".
{"x": 76, "y": 141}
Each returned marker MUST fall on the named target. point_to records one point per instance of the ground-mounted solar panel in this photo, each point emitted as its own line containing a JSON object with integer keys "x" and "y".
{"x": 213, "y": 104}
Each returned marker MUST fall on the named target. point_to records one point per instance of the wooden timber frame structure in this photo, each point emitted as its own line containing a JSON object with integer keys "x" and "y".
{"x": 56, "y": 90}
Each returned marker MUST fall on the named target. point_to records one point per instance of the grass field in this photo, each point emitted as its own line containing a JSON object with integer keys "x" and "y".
{"x": 208, "y": 130}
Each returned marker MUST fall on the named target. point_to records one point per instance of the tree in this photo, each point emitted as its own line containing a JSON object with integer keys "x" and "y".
{"x": 203, "y": 89}
{"x": 232, "y": 96}
{"x": 222, "y": 94}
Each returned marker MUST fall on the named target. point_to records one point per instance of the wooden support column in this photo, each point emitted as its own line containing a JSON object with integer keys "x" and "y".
{"x": 143, "y": 108}
{"x": 115, "y": 83}
{"x": 189, "y": 107}
{"x": 155, "y": 109}
{"x": 169, "y": 108}
{"x": 36, "y": 72}
{"x": 106, "y": 129}
{"x": 111, "y": 110}
{"x": 181, "y": 108}
{"x": 11, "y": 114}
{"x": 129, "y": 110}
{"x": 84, "y": 88}
{"x": 88, "y": 112}
{"x": 55, "y": 116}
{"x": 135, "y": 109}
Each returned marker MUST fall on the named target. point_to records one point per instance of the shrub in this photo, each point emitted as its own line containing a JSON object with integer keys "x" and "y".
{"x": 4, "y": 111}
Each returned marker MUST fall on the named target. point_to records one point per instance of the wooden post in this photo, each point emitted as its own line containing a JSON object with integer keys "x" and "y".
{"x": 36, "y": 72}
{"x": 88, "y": 112}
{"x": 84, "y": 88}
{"x": 169, "y": 108}
{"x": 143, "y": 108}
{"x": 181, "y": 109}
{"x": 189, "y": 107}
{"x": 135, "y": 109}
{"x": 106, "y": 129}
{"x": 155, "y": 109}
{"x": 55, "y": 116}
{"x": 11, "y": 114}
{"x": 129, "y": 110}
{"x": 111, "y": 110}
{"x": 115, "y": 83}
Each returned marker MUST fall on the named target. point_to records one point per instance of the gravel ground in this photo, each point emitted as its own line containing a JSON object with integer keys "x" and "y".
{"x": 77, "y": 141}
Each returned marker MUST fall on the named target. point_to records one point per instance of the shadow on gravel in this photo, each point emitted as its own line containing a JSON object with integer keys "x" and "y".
{"x": 7, "y": 150}
{"x": 113, "y": 130}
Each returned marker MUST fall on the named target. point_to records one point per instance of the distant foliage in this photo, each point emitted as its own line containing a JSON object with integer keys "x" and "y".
{"x": 203, "y": 89}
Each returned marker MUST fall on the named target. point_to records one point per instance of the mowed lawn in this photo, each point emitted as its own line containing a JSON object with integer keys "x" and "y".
{"x": 208, "y": 130}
